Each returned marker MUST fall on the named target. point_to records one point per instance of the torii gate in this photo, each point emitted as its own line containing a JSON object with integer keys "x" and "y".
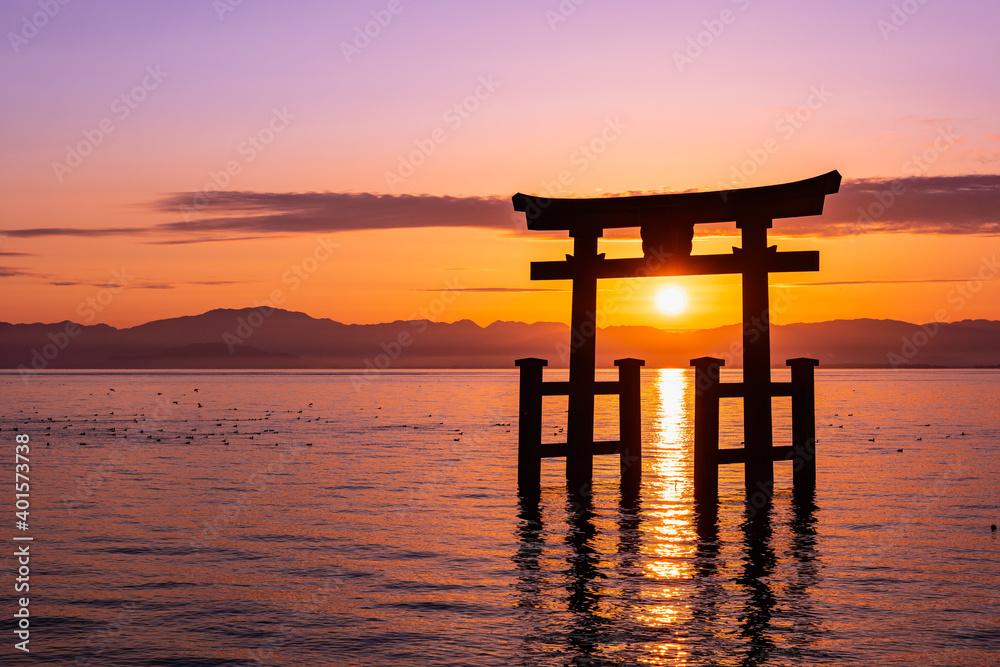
{"x": 667, "y": 227}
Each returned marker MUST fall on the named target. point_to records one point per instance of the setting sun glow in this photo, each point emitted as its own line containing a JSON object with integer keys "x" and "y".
{"x": 671, "y": 300}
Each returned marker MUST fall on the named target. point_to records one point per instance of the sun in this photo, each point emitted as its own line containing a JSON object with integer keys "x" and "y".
{"x": 671, "y": 300}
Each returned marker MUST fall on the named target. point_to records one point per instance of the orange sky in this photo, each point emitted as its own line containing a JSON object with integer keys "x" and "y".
{"x": 485, "y": 102}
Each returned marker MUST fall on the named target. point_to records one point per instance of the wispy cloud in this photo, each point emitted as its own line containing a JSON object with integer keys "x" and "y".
{"x": 75, "y": 231}
{"x": 937, "y": 122}
{"x": 493, "y": 289}
{"x": 148, "y": 284}
{"x": 315, "y": 212}
{"x": 871, "y": 282}
{"x": 206, "y": 239}
{"x": 10, "y": 272}
{"x": 929, "y": 205}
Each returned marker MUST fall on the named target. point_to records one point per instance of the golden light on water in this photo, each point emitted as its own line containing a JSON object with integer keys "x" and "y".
{"x": 671, "y": 410}
{"x": 667, "y": 654}
{"x": 669, "y": 507}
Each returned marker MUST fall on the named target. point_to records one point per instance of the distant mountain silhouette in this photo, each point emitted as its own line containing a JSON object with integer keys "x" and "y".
{"x": 252, "y": 338}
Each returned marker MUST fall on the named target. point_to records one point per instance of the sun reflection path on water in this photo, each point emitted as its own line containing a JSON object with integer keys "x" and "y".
{"x": 671, "y": 538}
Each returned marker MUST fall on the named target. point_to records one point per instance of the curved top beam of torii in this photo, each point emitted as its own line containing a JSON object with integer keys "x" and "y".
{"x": 786, "y": 200}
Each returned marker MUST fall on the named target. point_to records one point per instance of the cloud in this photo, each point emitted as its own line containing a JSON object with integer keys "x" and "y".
{"x": 9, "y": 272}
{"x": 495, "y": 289}
{"x": 148, "y": 285}
{"x": 929, "y": 205}
{"x": 871, "y": 282}
{"x": 937, "y": 122}
{"x": 7, "y": 253}
{"x": 75, "y": 231}
{"x": 918, "y": 205}
{"x": 89, "y": 283}
{"x": 206, "y": 239}
{"x": 327, "y": 212}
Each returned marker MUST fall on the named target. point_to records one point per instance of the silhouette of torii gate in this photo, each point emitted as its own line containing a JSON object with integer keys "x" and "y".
{"x": 667, "y": 225}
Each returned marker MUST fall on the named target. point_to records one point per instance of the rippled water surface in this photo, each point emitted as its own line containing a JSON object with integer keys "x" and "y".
{"x": 196, "y": 518}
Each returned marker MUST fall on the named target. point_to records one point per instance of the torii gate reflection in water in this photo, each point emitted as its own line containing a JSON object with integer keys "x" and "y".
{"x": 667, "y": 225}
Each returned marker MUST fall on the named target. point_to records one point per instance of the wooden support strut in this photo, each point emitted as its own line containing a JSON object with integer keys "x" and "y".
{"x": 803, "y": 452}
{"x": 630, "y": 422}
{"x": 529, "y": 428}
{"x": 531, "y": 451}
{"x": 707, "y": 454}
{"x": 706, "y": 429}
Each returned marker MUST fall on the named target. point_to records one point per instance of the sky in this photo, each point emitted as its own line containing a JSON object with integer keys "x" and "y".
{"x": 355, "y": 160}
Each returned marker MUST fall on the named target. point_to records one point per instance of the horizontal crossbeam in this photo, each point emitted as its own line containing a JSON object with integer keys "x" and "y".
{"x": 562, "y": 388}
{"x": 694, "y": 265}
{"x": 739, "y": 455}
{"x": 600, "y": 447}
{"x": 722, "y": 457}
{"x": 738, "y": 389}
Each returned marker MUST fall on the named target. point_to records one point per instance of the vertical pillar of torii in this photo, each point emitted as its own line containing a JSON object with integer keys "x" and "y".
{"x": 582, "y": 362}
{"x": 759, "y": 468}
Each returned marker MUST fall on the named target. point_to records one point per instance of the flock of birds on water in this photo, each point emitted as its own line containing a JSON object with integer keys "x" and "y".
{"x": 224, "y": 424}
{"x": 137, "y": 422}
{"x": 228, "y": 429}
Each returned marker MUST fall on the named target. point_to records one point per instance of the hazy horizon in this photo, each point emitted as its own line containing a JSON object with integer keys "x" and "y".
{"x": 678, "y": 329}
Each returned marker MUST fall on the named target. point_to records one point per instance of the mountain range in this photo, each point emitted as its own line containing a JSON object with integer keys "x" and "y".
{"x": 275, "y": 338}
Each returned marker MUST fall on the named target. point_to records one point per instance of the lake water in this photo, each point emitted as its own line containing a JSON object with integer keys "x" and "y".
{"x": 314, "y": 518}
